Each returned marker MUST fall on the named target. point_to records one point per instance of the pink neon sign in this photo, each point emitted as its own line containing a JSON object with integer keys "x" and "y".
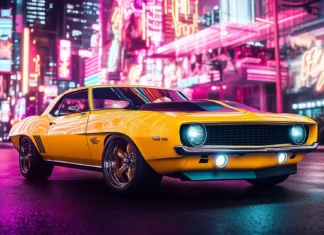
{"x": 64, "y": 59}
{"x": 313, "y": 67}
{"x": 154, "y": 21}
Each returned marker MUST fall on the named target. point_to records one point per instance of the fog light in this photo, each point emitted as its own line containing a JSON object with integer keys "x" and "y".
{"x": 221, "y": 160}
{"x": 282, "y": 157}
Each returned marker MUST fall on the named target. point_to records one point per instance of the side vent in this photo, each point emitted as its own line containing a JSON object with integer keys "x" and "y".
{"x": 39, "y": 144}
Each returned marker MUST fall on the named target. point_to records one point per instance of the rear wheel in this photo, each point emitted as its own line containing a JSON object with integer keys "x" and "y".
{"x": 124, "y": 168}
{"x": 266, "y": 182}
{"x": 32, "y": 165}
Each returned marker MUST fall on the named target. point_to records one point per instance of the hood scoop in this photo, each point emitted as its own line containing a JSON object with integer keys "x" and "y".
{"x": 188, "y": 106}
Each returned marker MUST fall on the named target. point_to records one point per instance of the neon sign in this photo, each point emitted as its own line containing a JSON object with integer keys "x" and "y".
{"x": 183, "y": 7}
{"x": 113, "y": 55}
{"x": 116, "y": 21}
{"x": 313, "y": 67}
{"x": 64, "y": 59}
{"x": 153, "y": 18}
{"x": 121, "y": 13}
{"x": 34, "y": 76}
{"x": 25, "y": 60}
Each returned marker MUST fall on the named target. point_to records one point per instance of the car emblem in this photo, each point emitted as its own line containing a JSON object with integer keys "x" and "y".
{"x": 94, "y": 140}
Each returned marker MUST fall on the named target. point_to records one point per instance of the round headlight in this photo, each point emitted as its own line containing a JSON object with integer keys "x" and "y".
{"x": 196, "y": 134}
{"x": 298, "y": 134}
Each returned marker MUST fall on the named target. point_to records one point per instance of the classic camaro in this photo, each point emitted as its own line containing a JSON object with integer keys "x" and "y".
{"x": 137, "y": 134}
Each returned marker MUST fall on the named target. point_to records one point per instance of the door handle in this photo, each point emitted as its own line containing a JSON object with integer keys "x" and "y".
{"x": 52, "y": 123}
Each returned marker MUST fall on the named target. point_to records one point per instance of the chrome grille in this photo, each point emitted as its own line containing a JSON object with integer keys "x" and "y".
{"x": 247, "y": 135}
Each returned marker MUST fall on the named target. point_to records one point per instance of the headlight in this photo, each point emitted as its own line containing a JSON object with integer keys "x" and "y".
{"x": 298, "y": 134}
{"x": 193, "y": 135}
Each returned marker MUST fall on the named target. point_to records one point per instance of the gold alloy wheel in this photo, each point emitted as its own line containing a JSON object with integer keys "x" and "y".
{"x": 120, "y": 164}
{"x": 25, "y": 156}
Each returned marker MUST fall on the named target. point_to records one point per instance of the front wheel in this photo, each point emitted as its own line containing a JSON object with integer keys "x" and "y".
{"x": 267, "y": 182}
{"x": 32, "y": 165}
{"x": 124, "y": 168}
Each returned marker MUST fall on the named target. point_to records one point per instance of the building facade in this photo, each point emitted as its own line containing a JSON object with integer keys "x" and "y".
{"x": 215, "y": 49}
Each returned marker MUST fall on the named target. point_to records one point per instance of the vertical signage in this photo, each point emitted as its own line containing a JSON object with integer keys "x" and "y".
{"x": 64, "y": 59}
{"x": 154, "y": 21}
{"x": 35, "y": 71}
{"x": 25, "y": 60}
{"x": 5, "y": 42}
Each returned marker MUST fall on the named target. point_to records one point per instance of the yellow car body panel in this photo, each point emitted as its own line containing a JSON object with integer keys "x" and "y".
{"x": 80, "y": 138}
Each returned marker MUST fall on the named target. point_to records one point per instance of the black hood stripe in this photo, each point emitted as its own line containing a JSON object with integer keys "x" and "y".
{"x": 188, "y": 106}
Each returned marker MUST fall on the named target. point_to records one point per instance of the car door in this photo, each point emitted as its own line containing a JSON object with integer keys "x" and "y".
{"x": 67, "y": 132}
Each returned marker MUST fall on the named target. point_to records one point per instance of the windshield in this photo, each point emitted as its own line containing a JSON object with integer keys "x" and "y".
{"x": 132, "y": 97}
{"x": 241, "y": 106}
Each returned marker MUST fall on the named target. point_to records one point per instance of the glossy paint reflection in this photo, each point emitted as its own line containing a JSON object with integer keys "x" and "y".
{"x": 69, "y": 138}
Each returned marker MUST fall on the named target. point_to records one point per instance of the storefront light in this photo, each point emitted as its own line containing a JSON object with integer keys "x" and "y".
{"x": 313, "y": 105}
{"x": 294, "y": 106}
{"x": 309, "y": 105}
{"x": 318, "y": 103}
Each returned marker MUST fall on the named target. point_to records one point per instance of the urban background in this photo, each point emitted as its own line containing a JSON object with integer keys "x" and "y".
{"x": 209, "y": 49}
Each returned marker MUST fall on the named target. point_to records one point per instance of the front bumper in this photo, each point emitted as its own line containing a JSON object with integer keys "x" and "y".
{"x": 238, "y": 174}
{"x": 194, "y": 151}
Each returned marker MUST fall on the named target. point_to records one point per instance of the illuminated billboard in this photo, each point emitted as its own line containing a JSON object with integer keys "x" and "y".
{"x": 5, "y": 111}
{"x": 64, "y": 60}
{"x": 5, "y": 41}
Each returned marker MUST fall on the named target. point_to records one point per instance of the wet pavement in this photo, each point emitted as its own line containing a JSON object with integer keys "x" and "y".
{"x": 77, "y": 202}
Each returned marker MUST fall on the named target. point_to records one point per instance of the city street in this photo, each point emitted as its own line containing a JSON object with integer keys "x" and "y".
{"x": 77, "y": 202}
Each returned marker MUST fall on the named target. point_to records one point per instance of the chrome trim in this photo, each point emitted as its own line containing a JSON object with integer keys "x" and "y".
{"x": 75, "y": 165}
{"x": 192, "y": 151}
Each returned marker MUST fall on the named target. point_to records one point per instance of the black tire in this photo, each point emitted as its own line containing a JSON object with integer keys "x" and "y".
{"x": 32, "y": 165}
{"x": 268, "y": 182}
{"x": 144, "y": 178}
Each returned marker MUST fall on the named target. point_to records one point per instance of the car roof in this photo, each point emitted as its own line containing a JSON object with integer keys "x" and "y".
{"x": 50, "y": 106}
{"x": 113, "y": 85}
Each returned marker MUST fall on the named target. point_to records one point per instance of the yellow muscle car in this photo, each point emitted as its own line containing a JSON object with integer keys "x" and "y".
{"x": 135, "y": 135}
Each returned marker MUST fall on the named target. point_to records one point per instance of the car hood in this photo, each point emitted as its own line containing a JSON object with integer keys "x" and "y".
{"x": 207, "y": 111}
{"x": 240, "y": 117}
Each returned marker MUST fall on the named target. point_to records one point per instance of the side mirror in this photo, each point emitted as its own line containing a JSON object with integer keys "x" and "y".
{"x": 73, "y": 109}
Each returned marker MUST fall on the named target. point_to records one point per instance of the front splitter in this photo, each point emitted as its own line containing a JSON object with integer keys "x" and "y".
{"x": 224, "y": 174}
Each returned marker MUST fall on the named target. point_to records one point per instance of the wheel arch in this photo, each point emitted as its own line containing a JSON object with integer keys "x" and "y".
{"x": 20, "y": 137}
{"x": 121, "y": 135}
{"x": 117, "y": 134}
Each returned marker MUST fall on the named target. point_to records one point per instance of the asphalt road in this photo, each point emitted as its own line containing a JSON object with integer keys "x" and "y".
{"x": 77, "y": 202}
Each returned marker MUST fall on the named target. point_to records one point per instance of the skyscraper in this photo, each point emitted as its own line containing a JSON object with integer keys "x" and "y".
{"x": 81, "y": 21}
{"x": 35, "y": 12}
{"x": 75, "y": 21}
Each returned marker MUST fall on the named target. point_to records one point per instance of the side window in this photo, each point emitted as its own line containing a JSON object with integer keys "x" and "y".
{"x": 78, "y": 99}
{"x": 108, "y": 98}
{"x": 56, "y": 109}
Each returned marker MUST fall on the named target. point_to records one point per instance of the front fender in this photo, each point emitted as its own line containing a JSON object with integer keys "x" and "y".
{"x": 155, "y": 134}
